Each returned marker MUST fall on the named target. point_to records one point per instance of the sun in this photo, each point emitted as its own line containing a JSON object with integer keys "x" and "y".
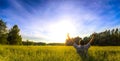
{"x": 58, "y": 31}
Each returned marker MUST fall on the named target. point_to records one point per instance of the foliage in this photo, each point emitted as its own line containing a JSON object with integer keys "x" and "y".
{"x": 108, "y": 37}
{"x": 56, "y": 44}
{"x": 77, "y": 39}
{"x": 57, "y": 53}
{"x": 3, "y": 39}
{"x": 27, "y": 42}
{"x": 39, "y": 43}
{"x": 105, "y": 38}
{"x": 13, "y": 36}
{"x": 3, "y": 27}
{"x": 3, "y": 32}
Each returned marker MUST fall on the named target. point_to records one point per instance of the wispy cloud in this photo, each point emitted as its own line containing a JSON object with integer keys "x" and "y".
{"x": 45, "y": 20}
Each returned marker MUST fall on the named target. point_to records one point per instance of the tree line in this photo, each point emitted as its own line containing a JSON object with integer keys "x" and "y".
{"x": 9, "y": 36}
{"x": 105, "y": 38}
{"x": 12, "y": 37}
{"x": 27, "y": 43}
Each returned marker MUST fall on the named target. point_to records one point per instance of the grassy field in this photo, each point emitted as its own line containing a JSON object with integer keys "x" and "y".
{"x": 57, "y": 53}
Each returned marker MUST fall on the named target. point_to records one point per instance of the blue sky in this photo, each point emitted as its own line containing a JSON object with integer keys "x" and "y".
{"x": 51, "y": 20}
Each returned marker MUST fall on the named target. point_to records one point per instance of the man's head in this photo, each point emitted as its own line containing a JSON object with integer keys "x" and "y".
{"x": 79, "y": 41}
{"x": 82, "y": 42}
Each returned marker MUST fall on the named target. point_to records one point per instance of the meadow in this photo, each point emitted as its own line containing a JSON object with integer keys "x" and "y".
{"x": 57, "y": 53}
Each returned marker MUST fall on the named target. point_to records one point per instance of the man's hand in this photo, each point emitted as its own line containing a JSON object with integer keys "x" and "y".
{"x": 93, "y": 35}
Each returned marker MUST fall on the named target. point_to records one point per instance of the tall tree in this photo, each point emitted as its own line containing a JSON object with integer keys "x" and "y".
{"x": 14, "y": 38}
{"x": 108, "y": 37}
{"x": 3, "y": 32}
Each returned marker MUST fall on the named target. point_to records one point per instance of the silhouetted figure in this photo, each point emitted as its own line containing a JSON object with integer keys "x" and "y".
{"x": 82, "y": 49}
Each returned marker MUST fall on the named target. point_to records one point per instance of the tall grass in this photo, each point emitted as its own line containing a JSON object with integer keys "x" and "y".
{"x": 57, "y": 53}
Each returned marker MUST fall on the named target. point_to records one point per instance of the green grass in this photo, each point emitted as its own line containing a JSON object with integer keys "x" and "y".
{"x": 57, "y": 53}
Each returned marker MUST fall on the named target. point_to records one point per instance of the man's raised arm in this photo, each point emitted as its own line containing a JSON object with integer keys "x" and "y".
{"x": 91, "y": 39}
{"x": 89, "y": 43}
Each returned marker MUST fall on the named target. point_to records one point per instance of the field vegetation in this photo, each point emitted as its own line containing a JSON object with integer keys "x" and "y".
{"x": 57, "y": 53}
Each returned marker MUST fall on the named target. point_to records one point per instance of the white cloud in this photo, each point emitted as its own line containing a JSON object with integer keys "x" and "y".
{"x": 52, "y": 21}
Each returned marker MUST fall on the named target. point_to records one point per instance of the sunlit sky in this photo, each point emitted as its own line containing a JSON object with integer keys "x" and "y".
{"x": 51, "y": 20}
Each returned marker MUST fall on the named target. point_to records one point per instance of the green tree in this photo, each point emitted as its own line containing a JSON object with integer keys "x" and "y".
{"x": 13, "y": 36}
{"x": 3, "y": 32}
{"x": 27, "y": 42}
{"x": 70, "y": 41}
{"x": 77, "y": 40}
{"x": 108, "y": 38}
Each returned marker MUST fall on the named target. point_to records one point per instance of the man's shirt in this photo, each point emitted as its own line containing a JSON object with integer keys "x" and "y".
{"x": 82, "y": 49}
